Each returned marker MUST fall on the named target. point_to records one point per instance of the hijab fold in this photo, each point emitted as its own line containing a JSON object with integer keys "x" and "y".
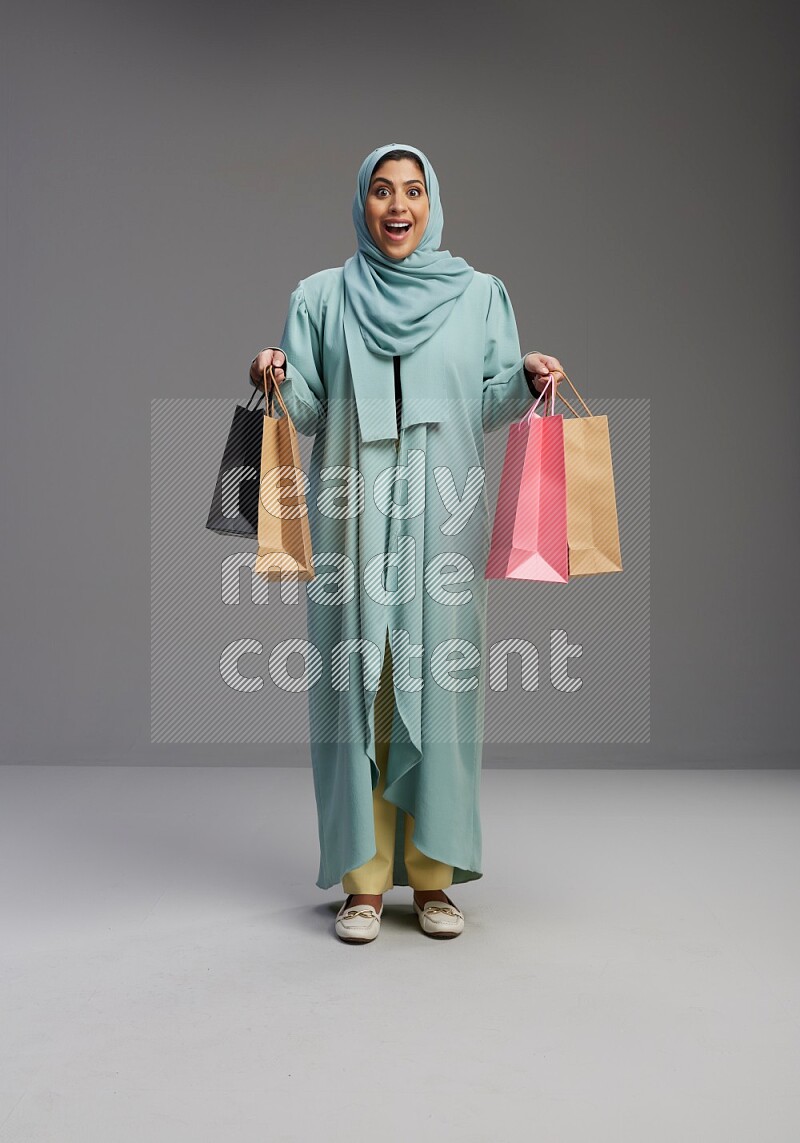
{"x": 398, "y": 304}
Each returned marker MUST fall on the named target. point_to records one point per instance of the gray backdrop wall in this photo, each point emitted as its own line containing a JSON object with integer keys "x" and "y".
{"x": 172, "y": 171}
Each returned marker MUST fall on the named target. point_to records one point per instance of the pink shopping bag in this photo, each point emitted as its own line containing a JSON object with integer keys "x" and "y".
{"x": 529, "y": 535}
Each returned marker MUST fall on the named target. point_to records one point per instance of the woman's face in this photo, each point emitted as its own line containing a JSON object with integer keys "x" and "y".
{"x": 397, "y": 194}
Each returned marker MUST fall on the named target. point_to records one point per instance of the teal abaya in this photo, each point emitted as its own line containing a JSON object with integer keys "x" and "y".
{"x": 400, "y": 534}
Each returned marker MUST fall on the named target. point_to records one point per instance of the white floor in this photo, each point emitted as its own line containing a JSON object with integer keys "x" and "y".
{"x": 630, "y": 967}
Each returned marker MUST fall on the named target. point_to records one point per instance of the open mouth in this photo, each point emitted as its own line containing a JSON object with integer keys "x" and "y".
{"x": 396, "y": 230}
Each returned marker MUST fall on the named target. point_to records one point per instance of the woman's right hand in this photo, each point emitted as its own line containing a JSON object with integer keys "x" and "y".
{"x": 272, "y": 356}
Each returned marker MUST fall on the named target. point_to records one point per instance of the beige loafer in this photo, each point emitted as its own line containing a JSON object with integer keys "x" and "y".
{"x": 438, "y": 919}
{"x": 357, "y": 924}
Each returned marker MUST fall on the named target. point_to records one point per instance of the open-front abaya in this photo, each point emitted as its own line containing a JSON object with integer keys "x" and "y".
{"x": 400, "y": 529}
{"x": 419, "y": 498}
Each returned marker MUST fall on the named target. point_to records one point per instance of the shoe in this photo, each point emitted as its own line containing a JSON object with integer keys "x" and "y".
{"x": 357, "y": 924}
{"x": 437, "y": 919}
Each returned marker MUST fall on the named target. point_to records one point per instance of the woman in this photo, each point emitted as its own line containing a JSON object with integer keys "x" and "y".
{"x": 397, "y": 363}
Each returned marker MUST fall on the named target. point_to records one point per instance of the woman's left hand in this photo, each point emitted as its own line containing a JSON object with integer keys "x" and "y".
{"x": 542, "y": 365}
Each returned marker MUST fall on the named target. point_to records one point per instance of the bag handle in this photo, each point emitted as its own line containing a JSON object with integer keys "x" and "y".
{"x": 577, "y": 394}
{"x": 274, "y": 391}
{"x": 551, "y": 388}
{"x": 252, "y": 395}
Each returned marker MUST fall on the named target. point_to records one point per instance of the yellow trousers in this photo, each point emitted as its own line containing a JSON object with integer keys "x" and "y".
{"x": 375, "y": 876}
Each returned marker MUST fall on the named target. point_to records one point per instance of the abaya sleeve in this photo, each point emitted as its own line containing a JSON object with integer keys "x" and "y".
{"x": 303, "y": 388}
{"x": 507, "y": 393}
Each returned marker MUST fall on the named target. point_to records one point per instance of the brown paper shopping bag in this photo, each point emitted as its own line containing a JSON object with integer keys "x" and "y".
{"x": 284, "y": 537}
{"x": 592, "y": 525}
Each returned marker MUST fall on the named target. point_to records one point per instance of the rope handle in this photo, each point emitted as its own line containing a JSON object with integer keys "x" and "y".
{"x": 274, "y": 391}
{"x": 260, "y": 393}
{"x": 577, "y": 394}
{"x": 552, "y": 386}
{"x": 549, "y": 390}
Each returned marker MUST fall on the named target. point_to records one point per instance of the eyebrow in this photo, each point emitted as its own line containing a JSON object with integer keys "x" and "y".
{"x": 381, "y": 179}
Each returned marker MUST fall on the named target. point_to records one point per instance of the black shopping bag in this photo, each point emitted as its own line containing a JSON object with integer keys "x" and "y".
{"x": 234, "y": 505}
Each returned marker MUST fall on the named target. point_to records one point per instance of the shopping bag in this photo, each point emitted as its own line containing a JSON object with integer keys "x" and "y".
{"x": 592, "y": 523}
{"x": 529, "y": 534}
{"x": 284, "y": 536}
{"x": 234, "y": 505}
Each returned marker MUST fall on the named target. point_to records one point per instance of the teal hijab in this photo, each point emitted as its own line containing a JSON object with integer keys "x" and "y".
{"x": 399, "y": 304}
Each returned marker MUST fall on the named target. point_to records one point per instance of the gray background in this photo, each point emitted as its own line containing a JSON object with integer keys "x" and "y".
{"x": 630, "y": 172}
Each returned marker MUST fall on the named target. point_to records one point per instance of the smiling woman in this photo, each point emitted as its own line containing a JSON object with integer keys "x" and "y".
{"x": 397, "y": 209}
{"x": 400, "y": 761}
